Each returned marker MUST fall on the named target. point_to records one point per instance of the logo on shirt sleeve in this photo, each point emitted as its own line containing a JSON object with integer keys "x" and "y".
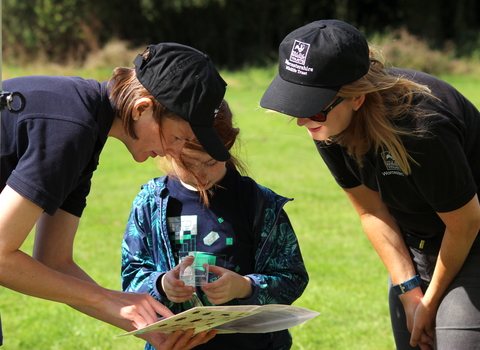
{"x": 392, "y": 167}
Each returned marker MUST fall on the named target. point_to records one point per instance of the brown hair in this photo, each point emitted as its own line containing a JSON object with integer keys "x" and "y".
{"x": 125, "y": 90}
{"x": 224, "y": 127}
{"x": 387, "y": 98}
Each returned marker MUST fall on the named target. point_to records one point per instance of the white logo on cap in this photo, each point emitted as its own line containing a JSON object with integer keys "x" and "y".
{"x": 299, "y": 52}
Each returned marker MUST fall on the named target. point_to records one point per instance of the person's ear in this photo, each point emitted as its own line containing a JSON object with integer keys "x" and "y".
{"x": 357, "y": 102}
{"x": 140, "y": 106}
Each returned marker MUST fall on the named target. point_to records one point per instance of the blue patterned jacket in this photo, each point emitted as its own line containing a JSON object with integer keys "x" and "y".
{"x": 279, "y": 275}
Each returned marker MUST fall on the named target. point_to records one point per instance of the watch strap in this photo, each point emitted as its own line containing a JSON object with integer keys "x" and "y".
{"x": 406, "y": 286}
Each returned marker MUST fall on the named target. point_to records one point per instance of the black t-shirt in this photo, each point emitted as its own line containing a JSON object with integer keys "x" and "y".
{"x": 448, "y": 154}
{"x": 223, "y": 231}
{"x": 50, "y": 150}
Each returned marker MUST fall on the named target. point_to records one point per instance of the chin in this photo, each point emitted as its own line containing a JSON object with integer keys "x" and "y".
{"x": 140, "y": 159}
{"x": 318, "y": 137}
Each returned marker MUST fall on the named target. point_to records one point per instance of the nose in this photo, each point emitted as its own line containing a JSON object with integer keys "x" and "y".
{"x": 201, "y": 174}
{"x": 301, "y": 121}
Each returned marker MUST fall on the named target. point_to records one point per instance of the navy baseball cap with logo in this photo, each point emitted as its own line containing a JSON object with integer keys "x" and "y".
{"x": 315, "y": 61}
{"x": 185, "y": 81}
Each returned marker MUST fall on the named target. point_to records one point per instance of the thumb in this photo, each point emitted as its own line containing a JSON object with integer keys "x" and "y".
{"x": 415, "y": 337}
{"x": 175, "y": 272}
{"x": 217, "y": 270}
{"x": 187, "y": 261}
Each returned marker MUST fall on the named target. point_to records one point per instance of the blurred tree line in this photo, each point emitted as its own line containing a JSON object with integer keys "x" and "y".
{"x": 232, "y": 32}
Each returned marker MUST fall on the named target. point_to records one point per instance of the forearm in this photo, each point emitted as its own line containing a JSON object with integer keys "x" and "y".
{"x": 54, "y": 247}
{"x": 22, "y": 273}
{"x": 282, "y": 278}
{"x": 142, "y": 277}
{"x": 25, "y": 275}
{"x": 386, "y": 238}
{"x": 72, "y": 269}
{"x": 276, "y": 288}
{"x": 462, "y": 226}
{"x": 453, "y": 253}
{"x": 280, "y": 275}
{"x": 383, "y": 232}
{"x": 388, "y": 242}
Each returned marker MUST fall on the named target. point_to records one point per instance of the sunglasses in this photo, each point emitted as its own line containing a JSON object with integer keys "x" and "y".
{"x": 322, "y": 116}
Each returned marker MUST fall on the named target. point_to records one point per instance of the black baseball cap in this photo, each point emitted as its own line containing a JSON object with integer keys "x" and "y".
{"x": 315, "y": 61}
{"x": 185, "y": 81}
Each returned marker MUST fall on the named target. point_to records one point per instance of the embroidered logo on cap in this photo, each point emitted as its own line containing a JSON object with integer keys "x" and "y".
{"x": 298, "y": 58}
{"x": 299, "y": 52}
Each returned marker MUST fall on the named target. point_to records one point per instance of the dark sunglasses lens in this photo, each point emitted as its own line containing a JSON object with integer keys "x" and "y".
{"x": 320, "y": 117}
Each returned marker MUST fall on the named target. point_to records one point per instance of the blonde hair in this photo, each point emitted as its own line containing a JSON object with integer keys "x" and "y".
{"x": 388, "y": 98}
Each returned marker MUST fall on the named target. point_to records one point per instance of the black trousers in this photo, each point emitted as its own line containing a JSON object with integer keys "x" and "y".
{"x": 458, "y": 316}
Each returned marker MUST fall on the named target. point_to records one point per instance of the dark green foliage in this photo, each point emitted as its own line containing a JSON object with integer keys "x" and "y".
{"x": 233, "y": 32}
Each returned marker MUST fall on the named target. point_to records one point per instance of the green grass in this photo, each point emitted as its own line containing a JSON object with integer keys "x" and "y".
{"x": 348, "y": 283}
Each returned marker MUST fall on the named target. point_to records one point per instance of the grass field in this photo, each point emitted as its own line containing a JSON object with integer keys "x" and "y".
{"x": 348, "y": 283}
